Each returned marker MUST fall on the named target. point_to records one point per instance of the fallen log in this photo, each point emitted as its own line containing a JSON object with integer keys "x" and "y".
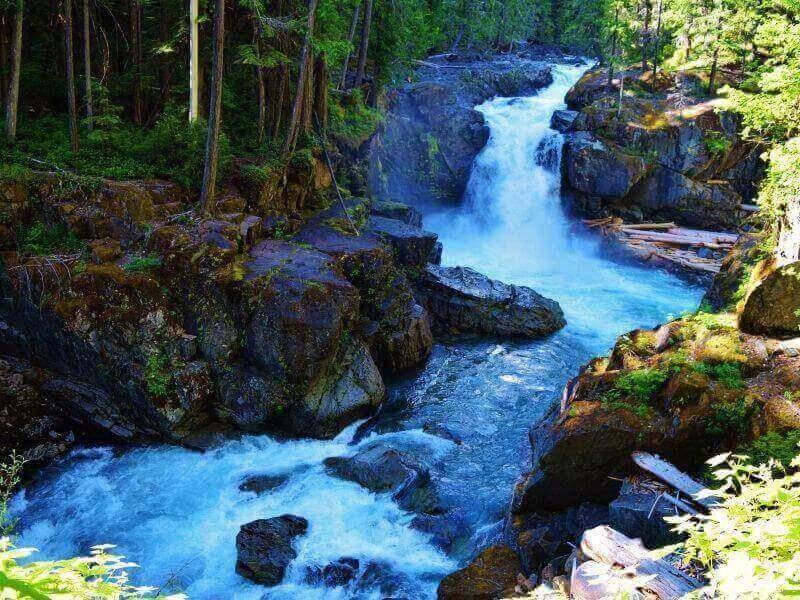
{"x": 714, "y": 236}
{"x": 655, "y": 576}
{"x": 671, "y": 475}
{"x": 678, "y": 240}
{"x": 640, "y": 226}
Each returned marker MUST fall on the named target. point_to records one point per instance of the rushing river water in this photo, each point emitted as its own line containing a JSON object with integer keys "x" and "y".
{"x": 177, "y": 512}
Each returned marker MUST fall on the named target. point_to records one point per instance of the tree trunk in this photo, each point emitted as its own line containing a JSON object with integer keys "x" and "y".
{"x": 321, "y": 91}
{"x": 165, "y": 64}
{"x": 70, "y": 59}
{"x": 613, "y": 48}
{"x": 302, "y": 77}
{"x": 194, "y": 60}
{"x": 713, "y": 74}
{"x": 658, "y": 41}
{"x": 350, "y": 37}
{"x": 87, "y": 63}
{"x": 136, "y": 61}
{"x": 260, "y": 84}
{"x": 621, "y": 92}
{"x": 364, "y": 46}
{"x": 645, "y": 35}
{"x": 12, "y": 97}
{"x": 215, "y": 111}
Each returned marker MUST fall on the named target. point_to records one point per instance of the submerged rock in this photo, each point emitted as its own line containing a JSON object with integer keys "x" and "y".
{"x": 461, "y": 299}
{"x": 492, "y": 575}
{"x": 259, "y": 484}
{"x": 381, "y": 470}
{"x": 264, "y": 548}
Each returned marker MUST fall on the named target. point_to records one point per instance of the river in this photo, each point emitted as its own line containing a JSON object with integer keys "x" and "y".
{"x": 176, "y": 513}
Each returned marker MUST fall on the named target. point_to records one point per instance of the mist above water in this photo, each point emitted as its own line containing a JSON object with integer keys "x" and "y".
{"x": 177, "y": 512}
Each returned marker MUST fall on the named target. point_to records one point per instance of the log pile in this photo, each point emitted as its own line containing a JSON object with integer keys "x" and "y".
{"x": 666, "y": 244}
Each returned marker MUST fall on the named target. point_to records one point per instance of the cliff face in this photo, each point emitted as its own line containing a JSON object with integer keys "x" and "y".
{"x": 433, "y": 132}
{"x": 667, "y": 154}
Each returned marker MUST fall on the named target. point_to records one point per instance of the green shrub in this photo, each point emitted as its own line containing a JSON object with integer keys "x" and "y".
{"x": 728, "y": 374}
{"x": 41, "y": 239}
{"x": 781, "y": 447}
{"x": 352, "y": 121}
{"x": 141, "y": 264}
{"x": 717, "y": 143}
{"x": 748, "y": 544}
{"x": 729, "y": 417}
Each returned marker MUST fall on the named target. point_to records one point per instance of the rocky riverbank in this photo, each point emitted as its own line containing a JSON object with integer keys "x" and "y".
{"x": 129, "y": 316}
{"x": 664, "y": 153}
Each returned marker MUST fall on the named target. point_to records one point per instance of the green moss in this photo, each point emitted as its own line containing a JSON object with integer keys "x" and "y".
{"x": 727, "y": 374}
{"x": 351, "y": 120}
{"x": 716, "y": 143}
{"x": 41, "y": 239}
{"x": 641, "y": 384}
{"x": 142, "y": 264}
{"x": 156, "y": 374}
{"x": 729, "y": 417}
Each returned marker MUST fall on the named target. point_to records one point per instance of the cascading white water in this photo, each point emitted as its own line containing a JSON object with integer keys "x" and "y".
{"x": 176, "y": 512}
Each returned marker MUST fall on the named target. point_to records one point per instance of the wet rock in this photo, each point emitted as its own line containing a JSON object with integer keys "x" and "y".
{"x": 461, "y": 299}
{"x": 381, "y": 470}
{"x": 264, "y": 548}
{"x": 340, "y": 572}
{"x": 491, "y": 575}
{"x": 773, "y": 306}
{"x": 442, "y": 431}
{"x": 563, "y": 120}
{"x": 411, "y": 245}
{"x": 599, "y": 169}
{"x": 258, "y": 484}
{"x": 391, "y": 209}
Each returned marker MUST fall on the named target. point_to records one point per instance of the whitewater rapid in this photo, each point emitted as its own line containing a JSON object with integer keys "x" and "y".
{"x": 177, "y": 512}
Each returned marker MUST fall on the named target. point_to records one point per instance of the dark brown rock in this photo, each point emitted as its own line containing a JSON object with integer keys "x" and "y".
{"x": 264, "y": 548}
{"x": 773, "y": 306}
{"x": 491, "y": 574}
{"x": 461, "y": 299}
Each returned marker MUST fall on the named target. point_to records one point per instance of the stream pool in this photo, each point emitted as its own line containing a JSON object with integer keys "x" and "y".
{"x": 176, "y": 513}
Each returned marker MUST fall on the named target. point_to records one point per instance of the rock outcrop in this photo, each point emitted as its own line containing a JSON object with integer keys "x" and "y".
{"x": 462, "y": 300}
{"x": 772, "y": 307}
{"x": 666, "y": 155}
{"x": 492, "y": 575}
{"x": 264, "y": 548}
{"x": 145, "y": 320}
{"x": 433, "y": 132}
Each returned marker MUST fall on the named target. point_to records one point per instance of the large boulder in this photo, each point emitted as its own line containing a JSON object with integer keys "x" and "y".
{"x": 563, "y": 120}
{"x": 411, "y": 245}
{"x": 773, "y": 306}
{"x": 493, "y": 574}
{"x": 461, "y": 299}
{"x": 598, "y": 168}
{"x": 264, "y": 548}
{"x": 382, "y": 470}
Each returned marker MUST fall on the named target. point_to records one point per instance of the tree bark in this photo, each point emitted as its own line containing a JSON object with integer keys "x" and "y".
{"x": 645, "y": 35}
{"x": 215, "y": 111}
{"x": 12, "y": 96}
{"x": 364, "y": 46}
{"x": 321, "y": 91}
{"x": 260, "y": 83}
{"x": 70, "y": 59}
{"x": 613, "y": 47}
{"x": 658, "y": 41}
{"x": 713, "y": 74}
{"x": 136, "y": 61}
{"x": 87, "y": 63}
{"x": 350, "y": 37}
{"x": 302, "y": 77}
{"x": 194, "y": 61}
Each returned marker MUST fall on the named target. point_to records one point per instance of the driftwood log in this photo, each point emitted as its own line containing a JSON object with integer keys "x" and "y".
{"x": 652, "y": 576}
{"x": 674, "y": 477}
